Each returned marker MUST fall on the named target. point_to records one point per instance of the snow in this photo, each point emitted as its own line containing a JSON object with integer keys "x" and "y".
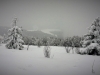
{"x": 33, "y": 62}
{"x": 15, "y": 37}
{"x": 93, "y": 45}
{"x": 48, "y": 31}
{"x": 83, "y": 50}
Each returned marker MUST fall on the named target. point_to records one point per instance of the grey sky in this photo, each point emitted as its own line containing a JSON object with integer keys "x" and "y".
{"x": 71, "y": 16}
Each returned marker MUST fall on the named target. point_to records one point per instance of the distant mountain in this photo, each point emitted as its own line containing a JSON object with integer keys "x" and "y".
{"x": 58, "y": 33}
{"x": 36, "y": 34}
{"x": 32, "y": 33}
{"x": 54, "y": 32}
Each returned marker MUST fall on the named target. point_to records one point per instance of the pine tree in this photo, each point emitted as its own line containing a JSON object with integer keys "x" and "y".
{"x": 92, "y": 40}
{"x": 15, "y": 37}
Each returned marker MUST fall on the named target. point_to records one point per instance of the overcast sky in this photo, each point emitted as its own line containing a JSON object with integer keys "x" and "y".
{"x": 71, "y": 16}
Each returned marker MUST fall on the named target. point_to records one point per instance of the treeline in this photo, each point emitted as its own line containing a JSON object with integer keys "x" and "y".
{"x": 74, "y": 41}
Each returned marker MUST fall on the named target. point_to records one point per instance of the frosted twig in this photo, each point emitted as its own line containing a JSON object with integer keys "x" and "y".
{"x": 92, "y": 67}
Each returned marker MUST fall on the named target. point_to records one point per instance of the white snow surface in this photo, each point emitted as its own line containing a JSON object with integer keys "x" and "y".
{"x": 49, "y": 31}
{"x": 33, "y": 62}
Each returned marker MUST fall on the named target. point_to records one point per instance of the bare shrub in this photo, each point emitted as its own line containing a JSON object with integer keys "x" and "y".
{"x": 92, "y": 67}
{"x": 67, "y": 49}
{"x": 47, "y": 51}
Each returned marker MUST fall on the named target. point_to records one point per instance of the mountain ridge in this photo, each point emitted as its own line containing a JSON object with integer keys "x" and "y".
{"x": 35, "y": 33}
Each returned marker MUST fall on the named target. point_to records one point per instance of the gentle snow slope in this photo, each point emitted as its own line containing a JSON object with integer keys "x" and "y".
{"x": 33, "y": 62}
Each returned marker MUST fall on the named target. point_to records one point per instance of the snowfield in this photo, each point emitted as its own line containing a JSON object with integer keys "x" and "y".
{"x": 33, "y": 62}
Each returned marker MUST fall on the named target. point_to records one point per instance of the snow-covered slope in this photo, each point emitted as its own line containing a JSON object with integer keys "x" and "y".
{"x": 38, "y": 33}
{"x": 49, "y": 31}
{"x": 44, "y": 33}
{"x": 35, "y": 33}
{"x": 33, "y": 62}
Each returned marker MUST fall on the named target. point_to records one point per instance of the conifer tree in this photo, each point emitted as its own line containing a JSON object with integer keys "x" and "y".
{"x": 92, "y": 39}
{"x": 15, "y": 37}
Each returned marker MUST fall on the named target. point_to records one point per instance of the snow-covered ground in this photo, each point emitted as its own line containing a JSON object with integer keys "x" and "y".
{"x": 33, "y": 62}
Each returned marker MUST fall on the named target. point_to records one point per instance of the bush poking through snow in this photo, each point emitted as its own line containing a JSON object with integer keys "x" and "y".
{"x": 67, "y": 49}
{"x": 92, "y": 67}
{"x": 72, "y": 50}
{"x": 47, "y": 51}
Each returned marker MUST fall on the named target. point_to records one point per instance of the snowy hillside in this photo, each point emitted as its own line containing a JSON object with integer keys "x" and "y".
{"x": 49, "y": 31}
{"x": 36, "y": 33}
{"x": 45, "y": 33}
{"x": 33, "y": 62}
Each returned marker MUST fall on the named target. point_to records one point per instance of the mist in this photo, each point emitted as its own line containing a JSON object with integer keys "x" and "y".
{"x": 72, "y": 17}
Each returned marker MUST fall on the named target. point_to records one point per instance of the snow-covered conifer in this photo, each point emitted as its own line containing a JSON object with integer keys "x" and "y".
{"x": 15, "y": 37}
{"x": 92, "y": 39}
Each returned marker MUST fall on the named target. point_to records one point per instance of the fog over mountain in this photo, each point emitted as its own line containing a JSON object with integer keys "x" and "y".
{"x": 72, "y": 17}
{"x": 35, "y": 33}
